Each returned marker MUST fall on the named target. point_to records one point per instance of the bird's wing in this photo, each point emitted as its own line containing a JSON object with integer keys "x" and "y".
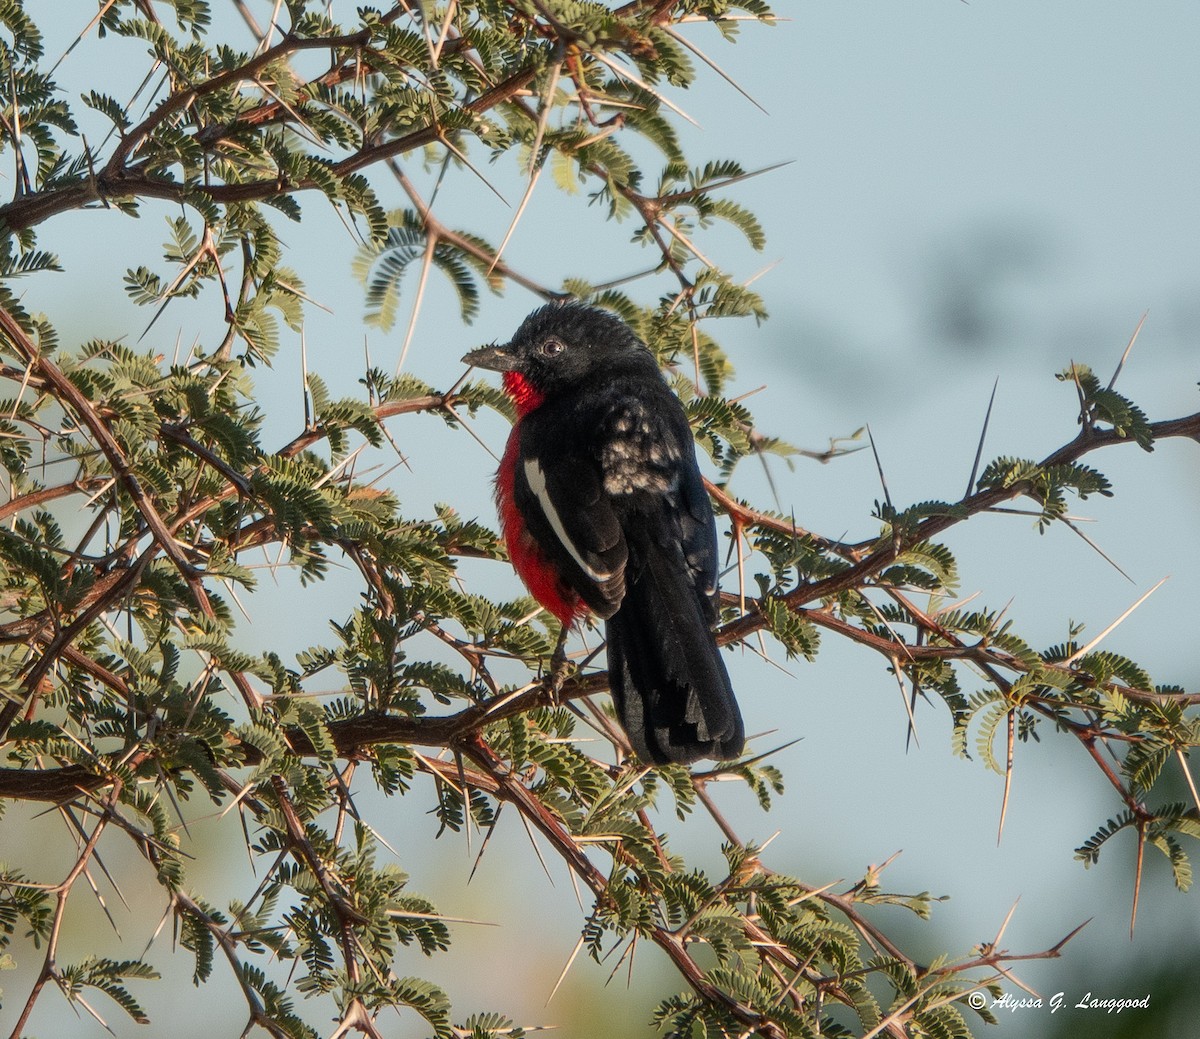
{"x": 648, "y": 452}
{"x": 698, "y": 532}
{"x": 561, "y": 498}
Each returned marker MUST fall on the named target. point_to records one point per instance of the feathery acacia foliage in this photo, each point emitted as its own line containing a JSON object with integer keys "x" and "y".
{"x": 138, "y": 489}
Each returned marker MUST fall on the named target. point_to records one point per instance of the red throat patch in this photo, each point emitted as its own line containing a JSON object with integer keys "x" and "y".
{"x": 522, "y": 392}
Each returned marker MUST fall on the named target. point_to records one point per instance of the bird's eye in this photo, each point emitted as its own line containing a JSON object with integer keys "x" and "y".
{"x": 552, "y": 347}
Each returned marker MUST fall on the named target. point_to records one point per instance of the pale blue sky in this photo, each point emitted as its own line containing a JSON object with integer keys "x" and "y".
{"x": 1023, "y": 174}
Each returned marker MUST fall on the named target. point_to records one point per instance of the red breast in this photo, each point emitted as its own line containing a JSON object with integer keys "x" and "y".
{"x": 539, "y": 573}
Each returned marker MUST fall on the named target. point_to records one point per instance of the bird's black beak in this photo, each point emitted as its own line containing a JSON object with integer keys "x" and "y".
{"x": 494, "y": 358}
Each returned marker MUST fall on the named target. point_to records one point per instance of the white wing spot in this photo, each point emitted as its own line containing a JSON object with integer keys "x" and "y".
{"x": 537, "y": 483}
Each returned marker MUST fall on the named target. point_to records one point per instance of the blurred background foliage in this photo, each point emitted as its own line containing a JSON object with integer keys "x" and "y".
{"x": 913, "y": 271}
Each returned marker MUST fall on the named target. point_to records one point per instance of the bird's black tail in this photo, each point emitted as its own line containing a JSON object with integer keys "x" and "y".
{"x": 670, "y": 686}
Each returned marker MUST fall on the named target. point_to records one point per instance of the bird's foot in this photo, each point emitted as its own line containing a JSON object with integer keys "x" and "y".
{"x": 560, "y": 667}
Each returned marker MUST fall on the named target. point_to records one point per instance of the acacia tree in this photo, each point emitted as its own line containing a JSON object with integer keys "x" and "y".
{"x": 138, "y": 490}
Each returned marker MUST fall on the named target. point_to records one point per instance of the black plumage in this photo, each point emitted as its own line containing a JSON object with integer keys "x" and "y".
{"x": 603, "y": 508}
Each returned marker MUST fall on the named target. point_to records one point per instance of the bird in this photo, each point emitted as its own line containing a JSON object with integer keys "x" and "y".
{"x": 603, "y": 510}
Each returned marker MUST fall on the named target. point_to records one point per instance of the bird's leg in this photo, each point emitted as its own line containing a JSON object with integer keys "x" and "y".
{"x": 559, "y": 665}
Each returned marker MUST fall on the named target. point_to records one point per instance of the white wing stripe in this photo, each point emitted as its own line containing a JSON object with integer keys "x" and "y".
{"x": 537, "y": 483}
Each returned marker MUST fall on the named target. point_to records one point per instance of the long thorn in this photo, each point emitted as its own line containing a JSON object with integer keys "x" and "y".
{"x": 78, "y": 39}
{"x": 1187, "y": 774}
{"x": 909, "y": 704}
{"x": 982, "y": 436}
{"x": 444, "y": 32}
{"x": 512, "y": 227}
{"x": 1125, "y": 355}
{"x": 484, "y": 843}
{"x": 623, "y": 73}
{"x": 879, "y": 466}
{"x": 544, "y": 116}
{"x": 679, "y": 38}
{"x": 1120, "y": 620}
{"x": 1008, "y": 775}
{"x": 1004, "y": 926}
{"x": 461, "y": 156}
{"x": 426, "y": 264}
{"x": 1137, "y": 878}
{"x": 1096, "y": 548}
{"x": 304, "y": 380}
{"x": 717, "y": 185}
{"x": 567, "y": 967}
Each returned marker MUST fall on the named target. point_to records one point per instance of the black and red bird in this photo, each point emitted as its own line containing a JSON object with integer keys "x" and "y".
{"x": 603, "y": 508}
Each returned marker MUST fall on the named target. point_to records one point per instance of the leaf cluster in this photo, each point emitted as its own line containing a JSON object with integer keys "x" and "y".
{"x": 147, "y": 509}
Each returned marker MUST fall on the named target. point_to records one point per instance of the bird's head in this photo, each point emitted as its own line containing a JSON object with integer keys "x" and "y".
{"x": 556, "y": 347}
